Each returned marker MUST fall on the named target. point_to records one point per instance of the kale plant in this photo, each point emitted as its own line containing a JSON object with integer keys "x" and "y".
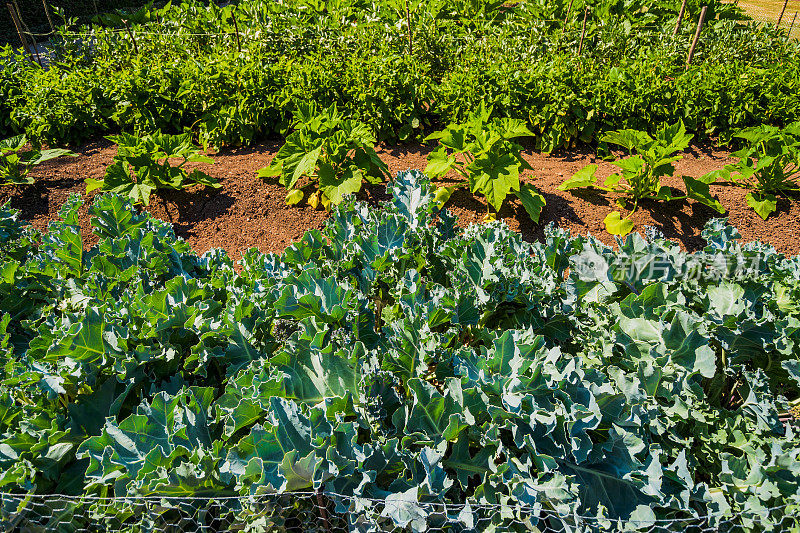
{"x": 397, "y": 366}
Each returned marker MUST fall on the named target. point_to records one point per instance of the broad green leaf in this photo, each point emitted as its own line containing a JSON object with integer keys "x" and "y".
{"x": 616, "y": 225}
{"x": 90, "y": 341}
{"x": 310, "y": 295}
{"x": 337, "y": 187}
{"x": 439, "y": 163}
{"x": 585, "y": 177}
{"x": 494, "y": 176}
{"x": 532, "y": 200}
{"x": 699, "y": 191}
{"x": 114, "y": 217}
{"x": 763, "y": 204}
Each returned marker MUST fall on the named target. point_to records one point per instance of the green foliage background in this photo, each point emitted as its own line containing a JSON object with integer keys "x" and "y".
{"x": 522, "y": 61}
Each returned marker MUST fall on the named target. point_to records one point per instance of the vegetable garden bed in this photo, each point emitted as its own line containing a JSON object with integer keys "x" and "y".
{"x": 250, "y": 212}
{"x": 307, "y": 335}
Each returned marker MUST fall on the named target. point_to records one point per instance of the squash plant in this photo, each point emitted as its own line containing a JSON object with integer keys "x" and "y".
{"x": 769, "y": 165}
{"x": 483, "y": 153}
{"x": 640, "y": 177}
{"x": 336, "y": 153}
{"x": 16, "y": 164}
{"x": 142, "y": 165}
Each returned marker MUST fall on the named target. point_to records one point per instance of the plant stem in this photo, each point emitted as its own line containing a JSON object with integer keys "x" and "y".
{"x": 133, "y": 39}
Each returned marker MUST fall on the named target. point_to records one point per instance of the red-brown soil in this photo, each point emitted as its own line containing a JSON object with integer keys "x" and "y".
{"x": 250, "y": 212}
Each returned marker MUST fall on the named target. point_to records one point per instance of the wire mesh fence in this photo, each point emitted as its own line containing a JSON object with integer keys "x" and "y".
{"x": 772, "y": 12}
{"x": 37, "y": 23}
{"x": 329, "y": 513}
{"x": 37, "y": 15}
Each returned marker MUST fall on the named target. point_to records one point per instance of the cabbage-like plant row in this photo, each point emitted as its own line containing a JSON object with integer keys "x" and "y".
{"x": 396, "y": 357}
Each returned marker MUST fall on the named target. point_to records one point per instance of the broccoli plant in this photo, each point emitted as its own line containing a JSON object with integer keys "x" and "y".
{"x": 641, "y": 173}
{"x": 769, "y": 165}
{"x": 483, "y": 153}
{"x": 16, "y": 164}
{"x": 335, "y": 153}
{"x": 142, "y": 165}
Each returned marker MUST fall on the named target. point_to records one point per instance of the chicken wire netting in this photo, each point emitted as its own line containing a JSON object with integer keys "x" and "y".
{"x": 324, "y": 512}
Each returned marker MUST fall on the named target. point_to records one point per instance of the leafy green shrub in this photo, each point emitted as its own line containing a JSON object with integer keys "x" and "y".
{"x": 628, "y": 76}
{"x": 399, "y": 359}
{"x": 483, "y": 153}
{"x": 142, "y": 165}
{"x": 642, "y": 173}
{"x": 16, "y": 164}
{"x": 338, "y": 154}
{"x": 769, "y": 165}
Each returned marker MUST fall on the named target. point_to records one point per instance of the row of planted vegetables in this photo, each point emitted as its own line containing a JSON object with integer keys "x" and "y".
{"x": 328, "y": 156}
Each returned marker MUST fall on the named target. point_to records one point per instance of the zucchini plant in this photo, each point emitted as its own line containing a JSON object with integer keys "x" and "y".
{"x": 769, "y": 165}
{"x": 16, "y": 164}
{"x": 483, "y": 153}
{"x": 142, "y": 165}
{"x": 336, "y": 154}
{"x": 640, "y": 177}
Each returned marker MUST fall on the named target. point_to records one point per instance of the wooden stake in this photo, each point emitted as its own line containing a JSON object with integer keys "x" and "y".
{"x": 18, "y": 27}
{"x": 696, "y": 36}
{"x": 583, "y": 31}
{"x": 780, "y": 17}
{"x": 323, "y": 511}
{"x": 680, "y": 19}
{"x": 569, "y": 10}
{"x": 236, "y": 29}
{"x": 49, "y": 16}
{"x": 133, "y": 39}
{"x": 29, "y": 33}
{"x": 408, "y": 24}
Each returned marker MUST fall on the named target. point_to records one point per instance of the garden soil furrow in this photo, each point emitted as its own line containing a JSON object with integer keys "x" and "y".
{"x": 250, "y": 212}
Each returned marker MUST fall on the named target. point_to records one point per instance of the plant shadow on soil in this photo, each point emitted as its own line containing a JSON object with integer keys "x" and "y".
{"x": 248, "y": 211}
{"x": 185, "y": 208}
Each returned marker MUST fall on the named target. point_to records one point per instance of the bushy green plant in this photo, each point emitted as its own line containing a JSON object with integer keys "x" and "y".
{"x": 336, "y": 154}
{"x": 142, "y": 165}
{"x": 769, "y": 165}
{"x": 190, "y": 74}
{"x": 483, "y": 152}
{"x": 16, "y": 163}
{"x": 641, "y": 173}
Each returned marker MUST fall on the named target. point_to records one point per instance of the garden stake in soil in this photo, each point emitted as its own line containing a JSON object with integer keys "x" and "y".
{"x": 28, "y": 32}
{"x": 236, "y": 29}
{"x": 696, "y": 35}
{"x": 323, "y": 510}
{"x": 780, "y": 17}
{"x": 133, "y": 39}
{"x": 583, "y": 31}
{"x": 49, "y": 16}
{"x": 680, "y": 18}
{"x": 569, "y": 10}
{"x": 408, "y": 24}
{"x": 18, "y": 27}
